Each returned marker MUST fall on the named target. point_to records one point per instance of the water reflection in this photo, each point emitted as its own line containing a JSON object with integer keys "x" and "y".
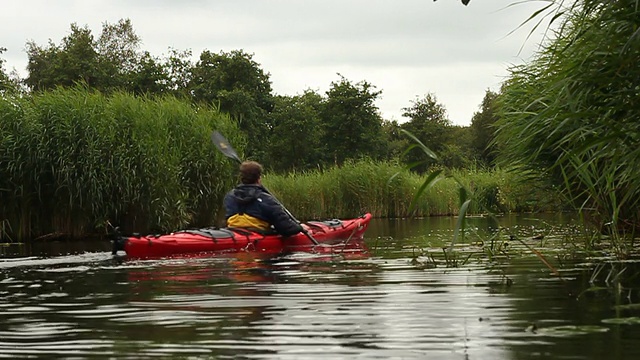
{"x": 360, "y": 304}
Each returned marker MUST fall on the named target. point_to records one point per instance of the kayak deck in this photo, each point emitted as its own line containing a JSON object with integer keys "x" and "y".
{"x": 220, "y": 240}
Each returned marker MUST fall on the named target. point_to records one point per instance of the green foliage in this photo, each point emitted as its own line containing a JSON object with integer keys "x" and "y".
{"x": 178, "y": 69}
{"x": 427, "y": 119}
{"x": 457, "y": 152}
{"x": 395, "y": 142}
{"x": 297, "y": 133}
{"x": 110, "y": 63}
{"x": 352, "y": 123}
{"x": 72, "y": 160}
{"x": 148, "y": 77}
{"x": 238, "y": 86}
{"x": 483, "y": 131}
{"x": 5, "y": 83}
{"x": 312, "y": 131}
{"x": 119, "y": 45}
{"x": 429, "y": 123}
{"x": 73, "y": 61}
{"x": 573, "y": 111}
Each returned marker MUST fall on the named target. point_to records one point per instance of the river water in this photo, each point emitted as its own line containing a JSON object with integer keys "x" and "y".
{"x": 400, "y": 298}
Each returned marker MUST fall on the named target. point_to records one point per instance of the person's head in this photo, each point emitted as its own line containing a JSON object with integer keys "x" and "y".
{"x": 250, "y": 172}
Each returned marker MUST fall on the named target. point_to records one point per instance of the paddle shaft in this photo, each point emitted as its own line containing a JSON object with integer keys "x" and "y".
{"x": 225, "y": 148}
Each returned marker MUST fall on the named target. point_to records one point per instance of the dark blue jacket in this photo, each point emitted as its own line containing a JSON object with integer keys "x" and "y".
{"x": 255, "y": 200}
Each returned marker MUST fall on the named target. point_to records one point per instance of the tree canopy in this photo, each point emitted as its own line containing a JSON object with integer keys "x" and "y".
{"x": 111, "y": 62}
{"x": 235, "y": 83}
{"x": 429, "y": 123}
{"x": 352, "y": 121}
{"x": 4, "y": 77}
{"x": 483, "y": 130}
{"x": 298, "y": 133}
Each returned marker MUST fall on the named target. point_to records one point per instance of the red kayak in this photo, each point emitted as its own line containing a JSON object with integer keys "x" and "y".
{"x": 218, "y": 240}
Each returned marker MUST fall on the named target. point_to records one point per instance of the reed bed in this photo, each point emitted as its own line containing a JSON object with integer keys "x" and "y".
{"x": 73, "y": 161}
{"x": 571, "y": 114}
{"x": 387, "y": 189}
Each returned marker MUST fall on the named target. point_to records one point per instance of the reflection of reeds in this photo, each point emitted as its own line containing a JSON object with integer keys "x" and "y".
{"x": 386, "y": 189}
{"x": 71, "y": 160}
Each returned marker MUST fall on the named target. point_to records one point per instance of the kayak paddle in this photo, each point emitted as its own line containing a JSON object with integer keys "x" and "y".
{"x": 223, "y": 145}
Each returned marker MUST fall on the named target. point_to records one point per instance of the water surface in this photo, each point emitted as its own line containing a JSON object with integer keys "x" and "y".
{"x": 402, "y": 298}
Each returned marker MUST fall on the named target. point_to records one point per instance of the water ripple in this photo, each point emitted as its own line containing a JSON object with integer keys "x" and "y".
{"x": 298, "y": 307}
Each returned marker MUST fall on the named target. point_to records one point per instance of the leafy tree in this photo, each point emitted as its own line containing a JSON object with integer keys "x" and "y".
{"x": 395, "y": 140}
{"x": 483, "y": 131}
{"x": 457, "y": 151}
{"x": 5, "y": 82}
{"x": 119, "y": 46}
{"x": 148, "y": 76}
{"x": 178, "y": 68}
{"x": 296, "y": 138}
{"x": 352, "y": 122}
{"x": 236, "y": 83}
{"x": 124, "y": 66}
{"x": 112, "y": 62}
{"x": 75, "y": 60}
{"x": 429, "y": 123}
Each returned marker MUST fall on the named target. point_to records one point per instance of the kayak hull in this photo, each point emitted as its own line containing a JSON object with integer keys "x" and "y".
{"x": 213, "y": 240}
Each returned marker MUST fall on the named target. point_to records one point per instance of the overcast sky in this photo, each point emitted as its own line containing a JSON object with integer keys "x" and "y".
{"x": 406, "y": 48}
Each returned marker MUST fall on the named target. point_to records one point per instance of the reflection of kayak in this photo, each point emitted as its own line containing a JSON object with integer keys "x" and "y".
{"x": 213, "y": 240}
{"x": 244, "y": 267}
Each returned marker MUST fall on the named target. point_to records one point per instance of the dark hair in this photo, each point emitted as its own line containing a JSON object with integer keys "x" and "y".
{"x": 250, "y": 172}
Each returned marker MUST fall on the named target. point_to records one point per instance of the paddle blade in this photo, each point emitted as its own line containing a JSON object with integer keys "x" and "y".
{"x": 223, "y": 145}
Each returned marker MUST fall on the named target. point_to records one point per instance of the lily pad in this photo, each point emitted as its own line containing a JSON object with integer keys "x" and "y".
{"x": 623, "y": 321}
{"x": 571, "y": 330}
{"x": 627, "y": 307}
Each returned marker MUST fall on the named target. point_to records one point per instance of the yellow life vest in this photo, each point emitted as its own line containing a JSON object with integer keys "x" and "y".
{"x": 247, "y": 221}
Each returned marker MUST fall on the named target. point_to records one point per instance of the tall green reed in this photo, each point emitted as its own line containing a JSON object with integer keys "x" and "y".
{"x": 388, "y": 189}
{"x": 17, "y": 162}
{"x": 73, "y": 160}
{"x": 571, "y": 114}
